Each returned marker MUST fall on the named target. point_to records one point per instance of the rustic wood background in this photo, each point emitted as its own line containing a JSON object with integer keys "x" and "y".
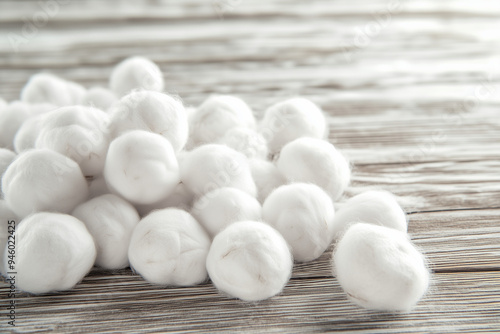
{"x": 412, "y": 89}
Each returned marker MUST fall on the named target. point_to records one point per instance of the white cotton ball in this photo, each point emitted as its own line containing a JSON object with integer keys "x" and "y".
{"x": 151, "y": 111}
{"x": 6, "y": 158}
{"x": 315, "y": 161}
{"x": 141, "y": 166}
{"x": 213, "y": 166}
{"x": 7, "y": 218}
{"x": 111, "y": 221}
{"x": 379, "y": 268}
{"x": 98, "y": 187}
{"x": 27, "y": 134}
{"x": 246, "y": 141}
{"x": 267, "y": 177}
{"x": 79, "y": 133}
{"x": 48, "y": 88}
{"x": 180, "y": 198}
{"x": 216, "y": 116}
{"x": 53, "y": 252}
{"x": 303, "y": 213}
{"x": 43, "y": 180}
{"x": 169, "y": 247}
{"x": 224, "y": 206}
{"x": 99, "y": 97}
{"x": 249, "y": 260}
{"x": 373, "y": 207}
{"x": 135, "y": 73}
{"x": 292, "y": 119}
{"x": 11, "y": 119}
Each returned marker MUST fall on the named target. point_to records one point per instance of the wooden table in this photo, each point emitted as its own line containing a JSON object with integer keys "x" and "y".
{"x": 412, "y": 91}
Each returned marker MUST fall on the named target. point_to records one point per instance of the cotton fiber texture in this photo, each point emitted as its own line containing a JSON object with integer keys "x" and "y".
{"x": 99, "y": 97}
{"x": 267, "y": 177}
{"x": 180, "y": 198}
{"x": 136, "y": 73}
{"x": 11, "y": 119}
{"x": 379, "y": 268}
{"x": 246, "y": 141}
{"x": 169, "y": 247}
{"x": 27, "y": 134}
{"x": 249, "y": 260}
{"x": 48, "y": 88}
{"x": 6, "y": 158}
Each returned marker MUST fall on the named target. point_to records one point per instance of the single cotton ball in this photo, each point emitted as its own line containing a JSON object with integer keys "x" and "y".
{"x": 249, "y": 260}
{"x": 48, "y": 88}
{"x": 11, "y": 119}
{"x": 213, "y": 166}
{"x": 303, "y": 213}
{"x": 217, "y": 115}
{"x": 374, "y": 207}
{"x": 180, "y": 198}
{"x": 111, "y": 221}
{"x": 292, "y": 119}
{"x": 135, "y": 73}
{"x": 151, "y": 111}
{"x": 246, "y": 141}
{"x": 53, "y": 252}
{"x": 315, "y": 161}
{"x": 98, "y": 187}
{"x": 43, "y": 180}
{"x": 170, "y": 247}
{"x": 141, "y": 166}
{"x": 221, "y": 207}
{"x": 99, "y": 97}
{"x": 267, "y": 177}
{"x": 78, "y": 132}
{"x": 379, "y": 268}
{"x": 7, "y": 218}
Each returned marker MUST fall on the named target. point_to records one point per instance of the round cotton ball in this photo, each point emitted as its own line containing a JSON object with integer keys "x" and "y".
{"x": 379, "y": 268}
{"x": 170, "y": 247}
{"x": 141, "y": 166}
{"x": 246, "y": 141}
{"x": 6, "y": 216}
{"x": 213, "y": 166}
{"x": 216, "y": 116}
{"x": 224, "y": 206}
{"x": 180, "y": 198}
{"x": 151, "y": 111}
{"x": 11, "y": 119}
{"x": 135, "y": 73}
{"x": 79, "y": 133}
{"x": 267, "y": 177}
{"x": 315, "y": 161}
{"x": 111, "y": 221}
{"x": 303, "y": 214}
{"x": 48, "y": 88}
{"x": 53, "y": 252}
{"x": 99, "y": 97}
{"x": 249, "y": 260}
{"x": 43, "y": 180}
{"x": 27, "y": 134}
{"x": 374, "y": 207}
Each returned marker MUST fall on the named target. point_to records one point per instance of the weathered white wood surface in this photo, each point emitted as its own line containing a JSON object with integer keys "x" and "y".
{"x": 412, "y": 90}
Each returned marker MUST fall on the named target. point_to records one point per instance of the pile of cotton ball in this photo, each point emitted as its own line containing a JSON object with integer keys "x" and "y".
{"x": 127, "y": 176}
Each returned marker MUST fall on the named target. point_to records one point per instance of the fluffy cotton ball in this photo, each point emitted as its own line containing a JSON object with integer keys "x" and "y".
{"x": 216, "y": 116}
{"x": 170, "y": 247}
{"x": 6, "y": 158}
{"x": 48, "y": 88}
{"x": 135, "y": 73}
{"x": 180, "y": 198}
{"x": 141, "y": 166}
{"x": 292, "y": 119}
{"x": 249, "y": 260}
{"x": 379, "y": 268}
{"x": 27, "y": 134}
{"x": 267, "y": 177}
{"x": 213, "y": 166}
{"x": 6, "y": 216}
{"x": 53, "y": 252}
{"x": 43, "y": 180}
{"x": 98, "y": 187}
{"x": 315, "y": 161}
{"x": 303, "y": 213}
{"x": 99, "y": 97}
{"x": 111, "y": 221}
{"x": 374, "y": 207}
{"x": 247, "y": 141}
{"x": 79, "y": 133}
{"x": 151, "y": 111}
{"x": 11, "y": 119}
{"x": 221, "y": 207}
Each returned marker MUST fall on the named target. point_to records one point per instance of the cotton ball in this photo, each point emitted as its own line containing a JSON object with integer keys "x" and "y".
{"x": 48, "y": 88}
{"x": 141, "y": 166}
{"x": 374, "y": 207}
{"x": 221, "y": 207}
{"x": 27, "y": 134}
{"x": 11, "y": 119}
{"x": 43, "y": 180}
{"x": 6, "y": 158}
{"x": 54, "y": 252}
{"x": 98, "y": 187}
{"x": 6, "y": 216}
{"x": 135, "y": 73}
{"x": 379, "y": 268}
{"x": 303, "y": 213}
{"x": 213, "y": 166}
{"x": 151, "y": 111}
{"x": 249, "y": 260}
{"x": 267, "y": 177}
{"x": 169, "y": 247}
{"x": 247, "y": 141}
{"x": 180, "y": 198}
{"x": 111, "y": 221}
{"x": 99, "y": 97}
{"x": 79, "y": 133}
{"x": 216, "y": 116}
{"x": 315, "y": 161}
{"x": 292, "y": 119}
